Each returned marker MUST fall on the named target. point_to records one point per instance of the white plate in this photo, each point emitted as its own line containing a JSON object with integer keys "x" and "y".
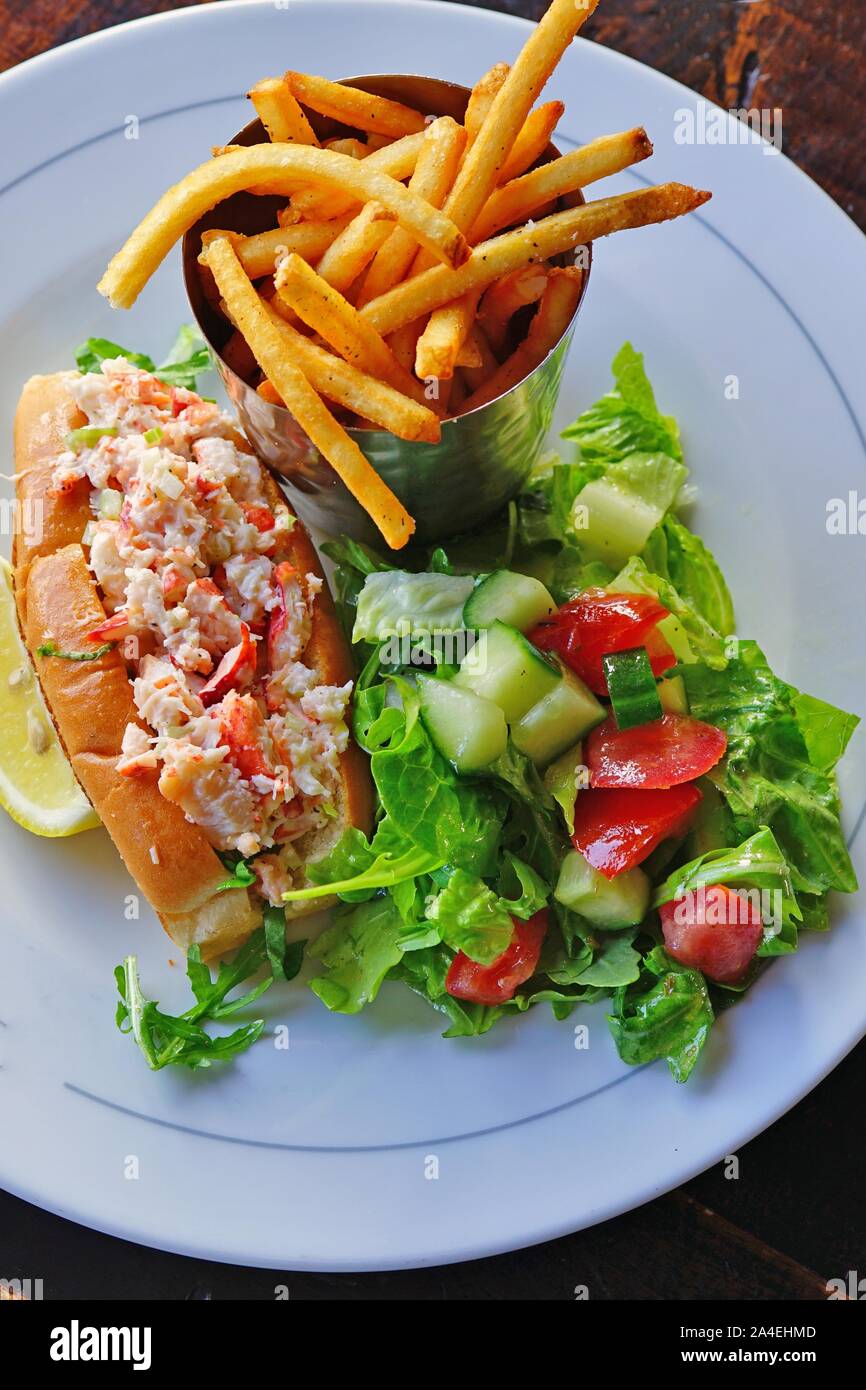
{"x": 371, "y": 1143}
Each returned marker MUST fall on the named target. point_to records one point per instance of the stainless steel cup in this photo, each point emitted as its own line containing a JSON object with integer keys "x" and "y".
{"x": 483, "y": 457}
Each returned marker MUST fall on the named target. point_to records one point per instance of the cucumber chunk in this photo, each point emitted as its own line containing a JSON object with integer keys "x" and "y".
{"x": 511, "y": 598}
{"x": 616, "y": 524}
{"x": 557, "y": 721}
{"x": 672, "y": 693}
{"x": 608, "y": 903}
{"x": 468, "y": 730}
{"x": 505, "y": 668}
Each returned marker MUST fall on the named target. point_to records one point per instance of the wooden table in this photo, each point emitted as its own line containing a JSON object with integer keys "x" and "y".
{"x": 795, "y": 1215}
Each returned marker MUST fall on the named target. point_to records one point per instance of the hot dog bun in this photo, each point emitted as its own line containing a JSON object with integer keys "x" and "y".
{"x": 92, "y": 703}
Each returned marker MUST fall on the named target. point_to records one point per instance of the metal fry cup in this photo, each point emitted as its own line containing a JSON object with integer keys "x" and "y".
{"x": 483, "y": 457}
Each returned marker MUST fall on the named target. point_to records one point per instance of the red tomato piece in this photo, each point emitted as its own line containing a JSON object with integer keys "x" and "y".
{"x": 663, "y": 753}
{"x": 714, "y": 930}
{"x": 615, "y": 830}
{"x": 237, "y": 668}
{"x": 495, "y": 983}
{"x": 595, "y": 623}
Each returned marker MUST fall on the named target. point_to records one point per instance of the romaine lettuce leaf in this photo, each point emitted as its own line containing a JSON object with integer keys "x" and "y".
{"x": 357, "y": 953}
{"x": 472, "y": 918}
{"x": 396, "y": 602}
{"x": 767, "y": 777}
{"x": 692, "y": 638}
{"x": 676, "y": 554}
{"x": 626, "y": 420}
{"x": 666, "y": 1013}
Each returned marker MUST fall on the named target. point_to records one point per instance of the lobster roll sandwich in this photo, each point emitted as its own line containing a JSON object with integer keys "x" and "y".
{"x": 186, "y": 645}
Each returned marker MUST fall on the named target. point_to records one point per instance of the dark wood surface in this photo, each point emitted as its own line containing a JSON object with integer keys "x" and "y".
{"x": 795, "y": 1216}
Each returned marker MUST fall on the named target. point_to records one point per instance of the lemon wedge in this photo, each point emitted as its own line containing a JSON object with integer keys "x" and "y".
{"x": 37, "y": 784}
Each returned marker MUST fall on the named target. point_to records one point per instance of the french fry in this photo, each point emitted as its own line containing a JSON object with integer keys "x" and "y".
{"x": 508, "y": 296}
{"x": 182, "y": 206}
{"x": 494, "y": 144}
{"x": 280, "y": 113}
{"x": 481, "y": 99}
{"x": 268, "y": 342}
{"x": 404, "y": 342}
{"x": 356, "y": 391}
{"x": 551, "y": 236}
{"x": 354, "y": 108}
{"x": 269, "y": 392}
{"x": 520, "y": 199}
{"x": 476, "y": 376}
{"x": 398, "y": 160}
{"x": 351, "y": 252}
{"x": 551, "y": 319}
{"x": 434, "y": 174}
{"x": 258, "y": 254}
{"x": 356, "y": 149}
{"x": 441, "y": 343}
{"x": 324, "y": 310}
{"x": 532, "y": 140}
{"x": 376, "y": 142}
{"x": 457, "y": 395}
{"x": 236, "y": 355}
{"x": 470, "y": 354}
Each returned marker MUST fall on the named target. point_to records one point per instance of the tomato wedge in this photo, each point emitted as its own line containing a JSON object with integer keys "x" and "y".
{"x": 596, "y": 622}
{"x": 615, "y": 830}
{"x": 495, "y": 983}
{"x": 664, "y": 753}
{"x": 714, "y": 930}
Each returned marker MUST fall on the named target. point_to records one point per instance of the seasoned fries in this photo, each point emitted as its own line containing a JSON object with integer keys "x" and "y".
{"x": 267, "y": 340}
{"x": 551, "y": 320}
{"x": 434, "y": 174}
{"x": 210, "y": 183}
{"x": 354, "y": 107}
{"x": 419, "y": 268}
{"x": 280, "y": 114}
{"x": 324, "y": 310}
{"x": 560, "y": 232}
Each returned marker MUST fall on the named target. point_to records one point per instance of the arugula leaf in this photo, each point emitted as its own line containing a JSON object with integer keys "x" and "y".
{"x": 240, "y": 873}
{"x": 612, "y": 963}
{"x": 285, "y": 957}
{"x": 666, "y": 1013}
{"x": 424, "y": 971}
{"x": 357, "y": 952}
{"x": 188, "y": 359}
{"x": 166, "y": 1040}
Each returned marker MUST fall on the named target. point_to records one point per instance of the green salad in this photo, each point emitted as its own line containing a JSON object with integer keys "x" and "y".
{"x": 587, "y": 786}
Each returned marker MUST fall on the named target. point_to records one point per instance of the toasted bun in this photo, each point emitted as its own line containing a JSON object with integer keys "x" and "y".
{"x": 91, "y": 702}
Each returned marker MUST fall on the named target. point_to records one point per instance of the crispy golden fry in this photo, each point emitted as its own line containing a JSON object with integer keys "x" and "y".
{"x": 354, "y": 107}
{"x": 356, "y": 149}
{"x": 476, "y": 376}
{"x": 562, "y": 231}
{"x": 398, "y": 160}
{"x": 508, "y": 296}
{"x": 352, "y": 251}
{"x": 441, "y": 343}
{"x": 347, "y": 386}
{"x": 376, "y": 142}
{"x": 434, "y": 174}
{"x": 269, "y": 343}
{"x": 269, "y": 392}
{"x": 552, "y": 318}
{"x": 324, "y": 310}
{"x": 532, "y": 140}
{"x": 457, "y": 395}
{"x": 236, "y": 354}
{"x": 520, "y": 199}
{"x": 280, "y": 113}
{"x": 259, "y": 254}
{"x": 404, "y": 342}
{"x": 182, "y": 206}
{"x": 481, "y": 99}
{"x": 470, "y": 353}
